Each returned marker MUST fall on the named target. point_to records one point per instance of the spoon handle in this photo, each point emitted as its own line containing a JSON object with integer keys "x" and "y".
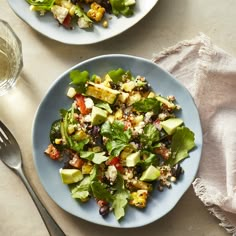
{"x": 51, "y": 225}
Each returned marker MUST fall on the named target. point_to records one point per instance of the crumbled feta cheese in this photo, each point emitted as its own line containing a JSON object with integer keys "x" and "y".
{"x": 71, "y": 92}
{"x": 87, "y": 118}
{"x": 162, "y": 116}
{"x": 139, "y": 128}
{"x": 88, "y": 103}
{"x": 59, "y": 13}
{"x": 148, "y": 116}
{"x": 111, "y": 173}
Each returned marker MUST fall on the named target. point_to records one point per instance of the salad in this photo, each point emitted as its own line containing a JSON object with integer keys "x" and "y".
{"x": 83, "y": 13}
{"x": 119, "y": 140}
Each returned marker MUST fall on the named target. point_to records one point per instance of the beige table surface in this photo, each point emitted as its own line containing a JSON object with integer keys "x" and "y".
{"x": 44, "y": 60}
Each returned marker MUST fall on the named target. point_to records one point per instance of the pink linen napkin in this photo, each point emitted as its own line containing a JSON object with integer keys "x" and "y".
{"x": 209, "y": 73}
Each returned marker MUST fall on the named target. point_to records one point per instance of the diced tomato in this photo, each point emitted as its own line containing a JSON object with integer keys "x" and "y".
{"x": 52, "y": 152}
{"x": 67, "y": 21}
{"x": 116, "y": 162}
{"x": 81, "y": 104}
{"x": 127, "y": 125}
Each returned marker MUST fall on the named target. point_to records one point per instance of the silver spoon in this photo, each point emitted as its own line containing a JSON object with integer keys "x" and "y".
{"x": 10, "y": 155}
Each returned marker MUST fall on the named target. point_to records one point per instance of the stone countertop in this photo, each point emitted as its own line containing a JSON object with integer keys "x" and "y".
{"x": 44, "y": 60}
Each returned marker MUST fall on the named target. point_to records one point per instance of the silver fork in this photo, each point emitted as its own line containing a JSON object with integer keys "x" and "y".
{"x": 10, "y": 155}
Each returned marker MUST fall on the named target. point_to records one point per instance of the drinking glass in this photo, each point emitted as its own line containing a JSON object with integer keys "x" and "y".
{"x": 11, "y": 61}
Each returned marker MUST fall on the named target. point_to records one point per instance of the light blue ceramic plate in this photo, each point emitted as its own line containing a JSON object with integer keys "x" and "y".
{"x": 48, "y": 26}
{"x": 160, "y": 203}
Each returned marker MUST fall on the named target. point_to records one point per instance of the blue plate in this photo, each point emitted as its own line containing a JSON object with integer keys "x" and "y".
{"x": 48, "y": 26}
{"x": 160, "y": 203}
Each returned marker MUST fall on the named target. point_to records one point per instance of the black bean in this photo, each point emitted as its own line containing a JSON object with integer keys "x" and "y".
{"x": 114, "y": 85}
{"x": 138, "y": 170}
{"x": 104, "y": 210}
{"x": 176, "y": 170}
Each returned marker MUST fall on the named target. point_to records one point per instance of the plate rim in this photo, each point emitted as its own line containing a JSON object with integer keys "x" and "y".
{"x": 60, "y": 77}
{"x": 37, "y": 28}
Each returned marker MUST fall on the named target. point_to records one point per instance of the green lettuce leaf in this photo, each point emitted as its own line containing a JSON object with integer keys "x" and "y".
{"x": 79, "y": 79}
{"x": 81, "y": 190}
{"x": 40, "y": 5}
{"x": 119, "y": 203}
{"x": 100, "y": 191}
{"x": 147, "y": 104}
{"x": 119, "y": 74}
{"x": 182, "y": 143}
{"x": 121, "y": 7}
{"x": 95, "y": 157}
{"x": 149, "y": 136}
{"x": 120, "y": 198}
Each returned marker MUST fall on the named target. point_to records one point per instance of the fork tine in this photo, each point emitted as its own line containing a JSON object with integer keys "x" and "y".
{"x": 5, "y": 134}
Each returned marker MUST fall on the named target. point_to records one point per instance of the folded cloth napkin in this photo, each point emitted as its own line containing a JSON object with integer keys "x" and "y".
{"x": 209, "y": 73}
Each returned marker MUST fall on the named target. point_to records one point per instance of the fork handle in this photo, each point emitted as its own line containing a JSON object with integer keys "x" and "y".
{"x": 51, "y": 225}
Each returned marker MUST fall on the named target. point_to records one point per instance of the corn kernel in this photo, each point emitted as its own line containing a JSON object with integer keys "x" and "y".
{"x": 72, "y": 10}
{"x": 96, "y": 12}
{"x": 58, "y": 141}
{"x": 66, "y": 4}
{"x": 71, "y": 129}
{"x": 139, "y": 198}
{"x": 105, "y": 24}
{"x": 151, "y": 95}
{"x": 87, "y": 168}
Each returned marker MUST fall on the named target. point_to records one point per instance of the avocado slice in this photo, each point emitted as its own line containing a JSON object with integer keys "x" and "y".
{"x": 171, "y": 124}
{"x": 150, "y": 174}
{"x": 133, "y": 159}
{"x": 98, "y": 116}
{"x": 69, "y": 176}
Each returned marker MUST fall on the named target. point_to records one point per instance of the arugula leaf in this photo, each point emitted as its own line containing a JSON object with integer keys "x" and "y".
{"x": 79, "y": 79}
{"x": 149, "y": 136}
{"x": 118, "y": 137}
{"x": 100, "y": 191}
{"x": 78, "y": 146}
{"x": 95, "y": 157}
{"x": 116, "y": 130}
{"x": 118, "y": 75}
{"x": 182, "y": 143}
{"x": 70, "y": 140}
{"x": 114, "y": 147}
{"x": 147, "y": 104}
{"x": 150, "y": 159}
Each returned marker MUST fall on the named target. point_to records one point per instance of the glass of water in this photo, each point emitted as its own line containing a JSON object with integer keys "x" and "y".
{"x": 11, "y": 61}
